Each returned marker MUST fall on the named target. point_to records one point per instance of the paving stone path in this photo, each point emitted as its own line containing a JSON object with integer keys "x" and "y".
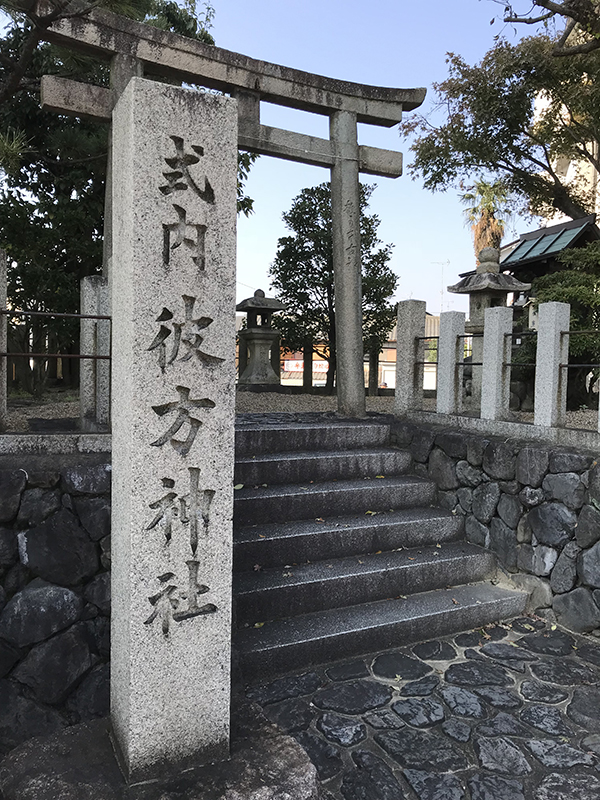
{"x": 509, "y": 712}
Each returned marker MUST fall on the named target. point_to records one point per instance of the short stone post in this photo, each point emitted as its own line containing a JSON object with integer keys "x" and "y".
{"x": 550, "y": 399}
{"x": 410, "y": 350}
{"x": 450, "y": 350}
{"x": 94, "y": 374}
{"x": 497, "y": 347}
{"x": 3, "y": 344}
{"x": 173, "y": 381}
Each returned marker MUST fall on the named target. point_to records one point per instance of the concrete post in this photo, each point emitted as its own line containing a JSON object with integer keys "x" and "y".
{"x": 451, "y": 350}
{"x": 550, "y": 399}
{"x": 409, "y": 351}
{"x": 495, "y": 381}
{"x": 94, "y": 375}
{"x": 3, "y": 344}
{"x": 345, "y": 210}
{"x": 173, "y": 388}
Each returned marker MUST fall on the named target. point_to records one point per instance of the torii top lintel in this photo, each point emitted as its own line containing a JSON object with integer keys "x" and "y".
{"x": 171, "y": 55}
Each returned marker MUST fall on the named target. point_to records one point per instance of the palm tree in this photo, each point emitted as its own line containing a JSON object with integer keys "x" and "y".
{"x": 484, "y": 201}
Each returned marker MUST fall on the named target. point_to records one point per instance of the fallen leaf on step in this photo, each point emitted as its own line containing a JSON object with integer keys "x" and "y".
{"x": 380, "y": 476}
{"x": 410, "y": 558}
{"x": 372, "y": 513}
{"x": 257, "y": 568}
{"x": 438, "y": 545}
{"x": 258, "y": 624}
{"x": 239, "y": 486}
{"x": 287, "y": 574}
{"x": 261, "y": 535}
{"x": 319, "y": 519}
{"x": 455, "y": 601}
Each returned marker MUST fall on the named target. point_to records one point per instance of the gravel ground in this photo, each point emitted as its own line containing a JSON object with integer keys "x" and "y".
{"x": 254, "y": 402}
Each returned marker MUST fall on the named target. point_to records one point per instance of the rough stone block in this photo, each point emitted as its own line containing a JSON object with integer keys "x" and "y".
{"x": 538, "y": 589}
{"x": 94, "y": 479}
{"x": 499, "y": 461}
{"x": 94, "y": 514}
{"x": 465, "y": 498}
{"x": 53, "y": 668}
{"x": 422, "y": 444}
{"x": 510, "y": 510}
{"x": 485, "y": 500}
{"x": 476, "y": 446}
{"x": 442, "y": 471}
{"x": 564, "y": 574}
{"x": 22, "y": 718}
{"x": 503, "y": 541}
{"x": 524, "y": 530}
{"x": 544, "y": 559}
{"x": 565, "y": 461}
{"x": 37, "y": 505}
{"x": 475, "y": 532}
{"x": 587, "y": 531}
{"x": 531, "y": 497}
{"x": 552, "y": 523}
{"x": 531, "y": 466}
{"x": 12, "y": 484}
{"x": 468, "y": 475}
{"x": 576, "y": 610}
{"x": 37, "y": 612}
{"x": 589, "y": 566}
{"x": 8, "y": 547}
{"x": 453, "y": 443}
{"x": 98, "y": 592}
{"x": 566, "y": 487}
{"x": 59, "y": 550}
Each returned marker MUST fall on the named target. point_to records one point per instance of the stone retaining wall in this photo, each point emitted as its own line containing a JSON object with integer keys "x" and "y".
{"x": 54, "y": 593}
{"x": 537, "y": 507}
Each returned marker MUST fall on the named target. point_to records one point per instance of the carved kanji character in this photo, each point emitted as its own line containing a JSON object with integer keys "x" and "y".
{"x": 192, "y": 509}
{"x": 192, "y": 236}
{"x": 194, "y": 590}
{"x": 168, "y": 603}
{"x": 164, "y": 603}
{"x": 184, "y": 407}
{"x": 180, "y": 179}
{"x": 186, "y": 333}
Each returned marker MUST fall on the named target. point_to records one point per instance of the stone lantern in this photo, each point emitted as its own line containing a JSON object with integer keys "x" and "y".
{"x": 259, "y": 343}
{"x": 487, "y": 287}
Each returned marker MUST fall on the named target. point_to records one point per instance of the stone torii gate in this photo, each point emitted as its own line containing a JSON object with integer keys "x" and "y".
{"x": 141, "y": 50}
{"x": 171, "y": 240}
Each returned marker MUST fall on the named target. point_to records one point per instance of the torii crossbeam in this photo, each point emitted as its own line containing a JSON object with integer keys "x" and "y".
{"x": 137, "y": 49}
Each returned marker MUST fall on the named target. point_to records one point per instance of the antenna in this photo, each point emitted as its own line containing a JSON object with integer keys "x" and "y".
{"x": 442, "y": 288}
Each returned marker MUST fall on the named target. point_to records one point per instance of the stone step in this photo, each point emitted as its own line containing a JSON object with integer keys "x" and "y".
{"x": 331, "y": 498}
{"x": 301, "y": 642}
{"x": 292, "y": 591}
{"x": 278, "y": 468}
{"x": 299, "y": 541}
{"x": 257, "y": 439}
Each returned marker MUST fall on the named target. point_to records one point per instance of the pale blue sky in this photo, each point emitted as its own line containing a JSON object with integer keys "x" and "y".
{"x": 385, "y": 43}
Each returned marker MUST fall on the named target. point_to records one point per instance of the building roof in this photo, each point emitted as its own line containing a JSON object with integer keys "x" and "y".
{"x": 548, "y": 242}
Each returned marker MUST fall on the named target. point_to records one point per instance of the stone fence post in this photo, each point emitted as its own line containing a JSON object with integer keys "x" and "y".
{"x": 3, "y": 343}
{"x": 410, "y": 350}
{"x": 451, "y": 349}
{"x": 495, "y": 379}
{"x": 550, "y": 400}
{"x": 94, "y": 375}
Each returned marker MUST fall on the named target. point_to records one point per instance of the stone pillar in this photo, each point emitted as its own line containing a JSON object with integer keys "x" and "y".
{"x": 3, "y": 344}
{"x": 409, "y": 351}
{"x": 173, "y": 389}
{"x": 550, "y": 400}
{"x": 451, "y": 350}
{"x": 276, "y": 356}
{"x": 345, "y": 212}
{"x": 242, "y": 352}
{"x": 94, "y": 375}
{"x": 497, "y": 347}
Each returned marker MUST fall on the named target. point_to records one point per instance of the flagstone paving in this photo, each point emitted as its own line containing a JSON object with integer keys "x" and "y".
{"x": 508, "y": 712}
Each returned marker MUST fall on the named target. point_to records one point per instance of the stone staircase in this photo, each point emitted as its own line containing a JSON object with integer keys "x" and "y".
{"x": 339, "y": 551}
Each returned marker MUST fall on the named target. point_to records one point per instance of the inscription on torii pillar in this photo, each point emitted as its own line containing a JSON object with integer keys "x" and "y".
{"x": 155, "y": 53}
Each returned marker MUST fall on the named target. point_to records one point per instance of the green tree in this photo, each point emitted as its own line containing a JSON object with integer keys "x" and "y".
{"x": 484, "y": 201}
{"x": 302, "y": 277}
{"x": 490, "y": 128}
{"x": 53, "y": 175}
